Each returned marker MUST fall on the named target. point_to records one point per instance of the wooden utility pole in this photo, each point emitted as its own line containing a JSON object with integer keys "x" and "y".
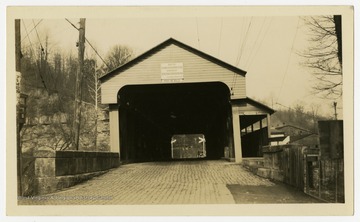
{"x": 96, "y": 105}
{"x": 335, "y": 114}
{"x": 78, "y": 83}
{"x": 18, "y": 79}
{"x": 17, "y": 45}
{"x": 338, "y": 32}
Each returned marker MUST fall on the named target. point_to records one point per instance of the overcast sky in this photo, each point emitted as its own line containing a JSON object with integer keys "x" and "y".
{"x": 264, "y": 46}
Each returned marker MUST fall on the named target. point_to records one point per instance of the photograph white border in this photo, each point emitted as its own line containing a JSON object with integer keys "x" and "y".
{"x": 257, "y": 209}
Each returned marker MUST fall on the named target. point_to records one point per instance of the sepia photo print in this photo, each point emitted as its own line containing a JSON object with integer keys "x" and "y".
{"x": 182, "y": 106}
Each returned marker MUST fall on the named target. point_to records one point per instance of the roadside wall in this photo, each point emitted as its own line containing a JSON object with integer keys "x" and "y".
{"x": 284, "y": 163}
{"x": 55, "y": 170}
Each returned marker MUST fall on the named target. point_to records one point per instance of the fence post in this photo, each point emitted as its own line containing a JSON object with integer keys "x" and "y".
{"x": 336, "y": 180}
{"x": 320, "y": 172}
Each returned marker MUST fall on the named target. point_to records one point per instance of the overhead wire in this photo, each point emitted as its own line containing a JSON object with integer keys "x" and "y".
{"x": 28, "y": 33}
{"x": 197, "y": 30}
{"x": 44, "y": 38}
{"x": 288, "y": 62}
{"x": 240, "y": 40}
{"x": 244, "y": 42}
{"x": 37, "y": 34}
{"x": 28, "y": 36}
{"x": 97, "y": 53}
{"x": 72, "y": 24}
{"x": 42, "y": 79}
{"x": 242, "y": 48}
{"x": 255, "y": 44}
{"x": 259, "y": 46}
{"x": 221, "y": 27}
{"x": 238, "y": 54}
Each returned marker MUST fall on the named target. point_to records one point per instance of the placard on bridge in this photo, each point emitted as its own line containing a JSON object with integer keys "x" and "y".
{"x": 172, "y": 72}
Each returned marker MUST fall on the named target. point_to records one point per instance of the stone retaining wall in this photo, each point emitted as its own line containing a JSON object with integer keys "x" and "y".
{"x": 54, "y": 131}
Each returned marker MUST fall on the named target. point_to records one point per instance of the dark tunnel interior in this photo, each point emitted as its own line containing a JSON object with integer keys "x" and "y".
{"x": 150, "y": 115}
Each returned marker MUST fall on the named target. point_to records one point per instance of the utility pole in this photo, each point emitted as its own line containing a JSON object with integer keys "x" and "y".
{"x": 337, "y": 21}
{"x": 18, "y": 79}
{"x": 17, "y": 45}
{"x": 96, "y": 103}
{"x": 78, "y": 83}
{"x": 335, "y": 114}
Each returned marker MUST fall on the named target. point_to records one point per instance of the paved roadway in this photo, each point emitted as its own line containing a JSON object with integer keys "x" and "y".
{"x": 178, "y": 182}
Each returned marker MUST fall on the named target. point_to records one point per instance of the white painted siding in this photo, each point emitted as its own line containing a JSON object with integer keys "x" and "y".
{"x": 148, "y": 71}
{"x": 249, "y": 109}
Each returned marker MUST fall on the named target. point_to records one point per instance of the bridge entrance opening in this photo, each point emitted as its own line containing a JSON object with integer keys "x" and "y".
{"x": 153, "y": 116}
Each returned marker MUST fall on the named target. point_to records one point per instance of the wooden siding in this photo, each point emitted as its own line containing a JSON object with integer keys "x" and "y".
{"x": 195, "y": 69}
{"x": 286, "y": 163}
{"x": 236, "y": 134}
{"x": 114, "y": 128}
{"x": 292, "y": 166}
{"x": 248, "y": 109}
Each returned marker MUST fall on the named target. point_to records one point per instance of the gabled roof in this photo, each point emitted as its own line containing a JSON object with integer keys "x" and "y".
{"x": 254, "y": 103}
{"x": 179, "y": 44}
{"x": 300, "y": 137}
{"x": 295, "y": 127}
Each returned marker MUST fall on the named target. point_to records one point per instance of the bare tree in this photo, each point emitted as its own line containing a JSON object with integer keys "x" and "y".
{"x": 117, "y": 56}
{"x": 92, "y": 92}
{"x": 324, "y": 55}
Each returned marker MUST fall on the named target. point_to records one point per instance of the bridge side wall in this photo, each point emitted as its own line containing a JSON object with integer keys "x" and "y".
{"x": 55, "y": 170}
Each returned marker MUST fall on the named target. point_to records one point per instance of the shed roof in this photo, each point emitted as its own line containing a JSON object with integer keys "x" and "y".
{"x": 179, "y": 44}
{"x": 251, "y": 119}
{"x": 294, "y": 127}
{"x": 300, "y": 137}
{"x": 254, "y": 103}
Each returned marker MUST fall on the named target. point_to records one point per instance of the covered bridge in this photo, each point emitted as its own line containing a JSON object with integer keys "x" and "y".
{"x": 174, "y": 90}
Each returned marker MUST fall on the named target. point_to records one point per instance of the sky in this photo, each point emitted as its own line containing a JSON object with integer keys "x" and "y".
{"x": 266, "y": 47}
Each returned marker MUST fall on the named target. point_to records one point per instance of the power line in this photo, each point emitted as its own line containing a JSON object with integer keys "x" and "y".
{"x": 221, "y": 26}
{"x": 37, "y": 34}
{"x": 289, "y": 58}
{"x": 242, "y": 47}
{"x": 97, "y": 53}
{"x": 262, "y": 40}
{"x": 283, "y": 105}
{"x": 240, "y": 39}
{"x": 239, "y": 51}
{"x": 255, "y": 43}
{"x": 72, "y": 24}
{"x": 28, "y": 33}
{"x": 245, "y": 40}
{"x": 28, "y": 36}
{"x": 197, "y": 30}
{"x": 42, "y": 79}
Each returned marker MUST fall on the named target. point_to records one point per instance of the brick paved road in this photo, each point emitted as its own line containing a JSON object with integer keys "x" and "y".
{"x": 181, "y": 182}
